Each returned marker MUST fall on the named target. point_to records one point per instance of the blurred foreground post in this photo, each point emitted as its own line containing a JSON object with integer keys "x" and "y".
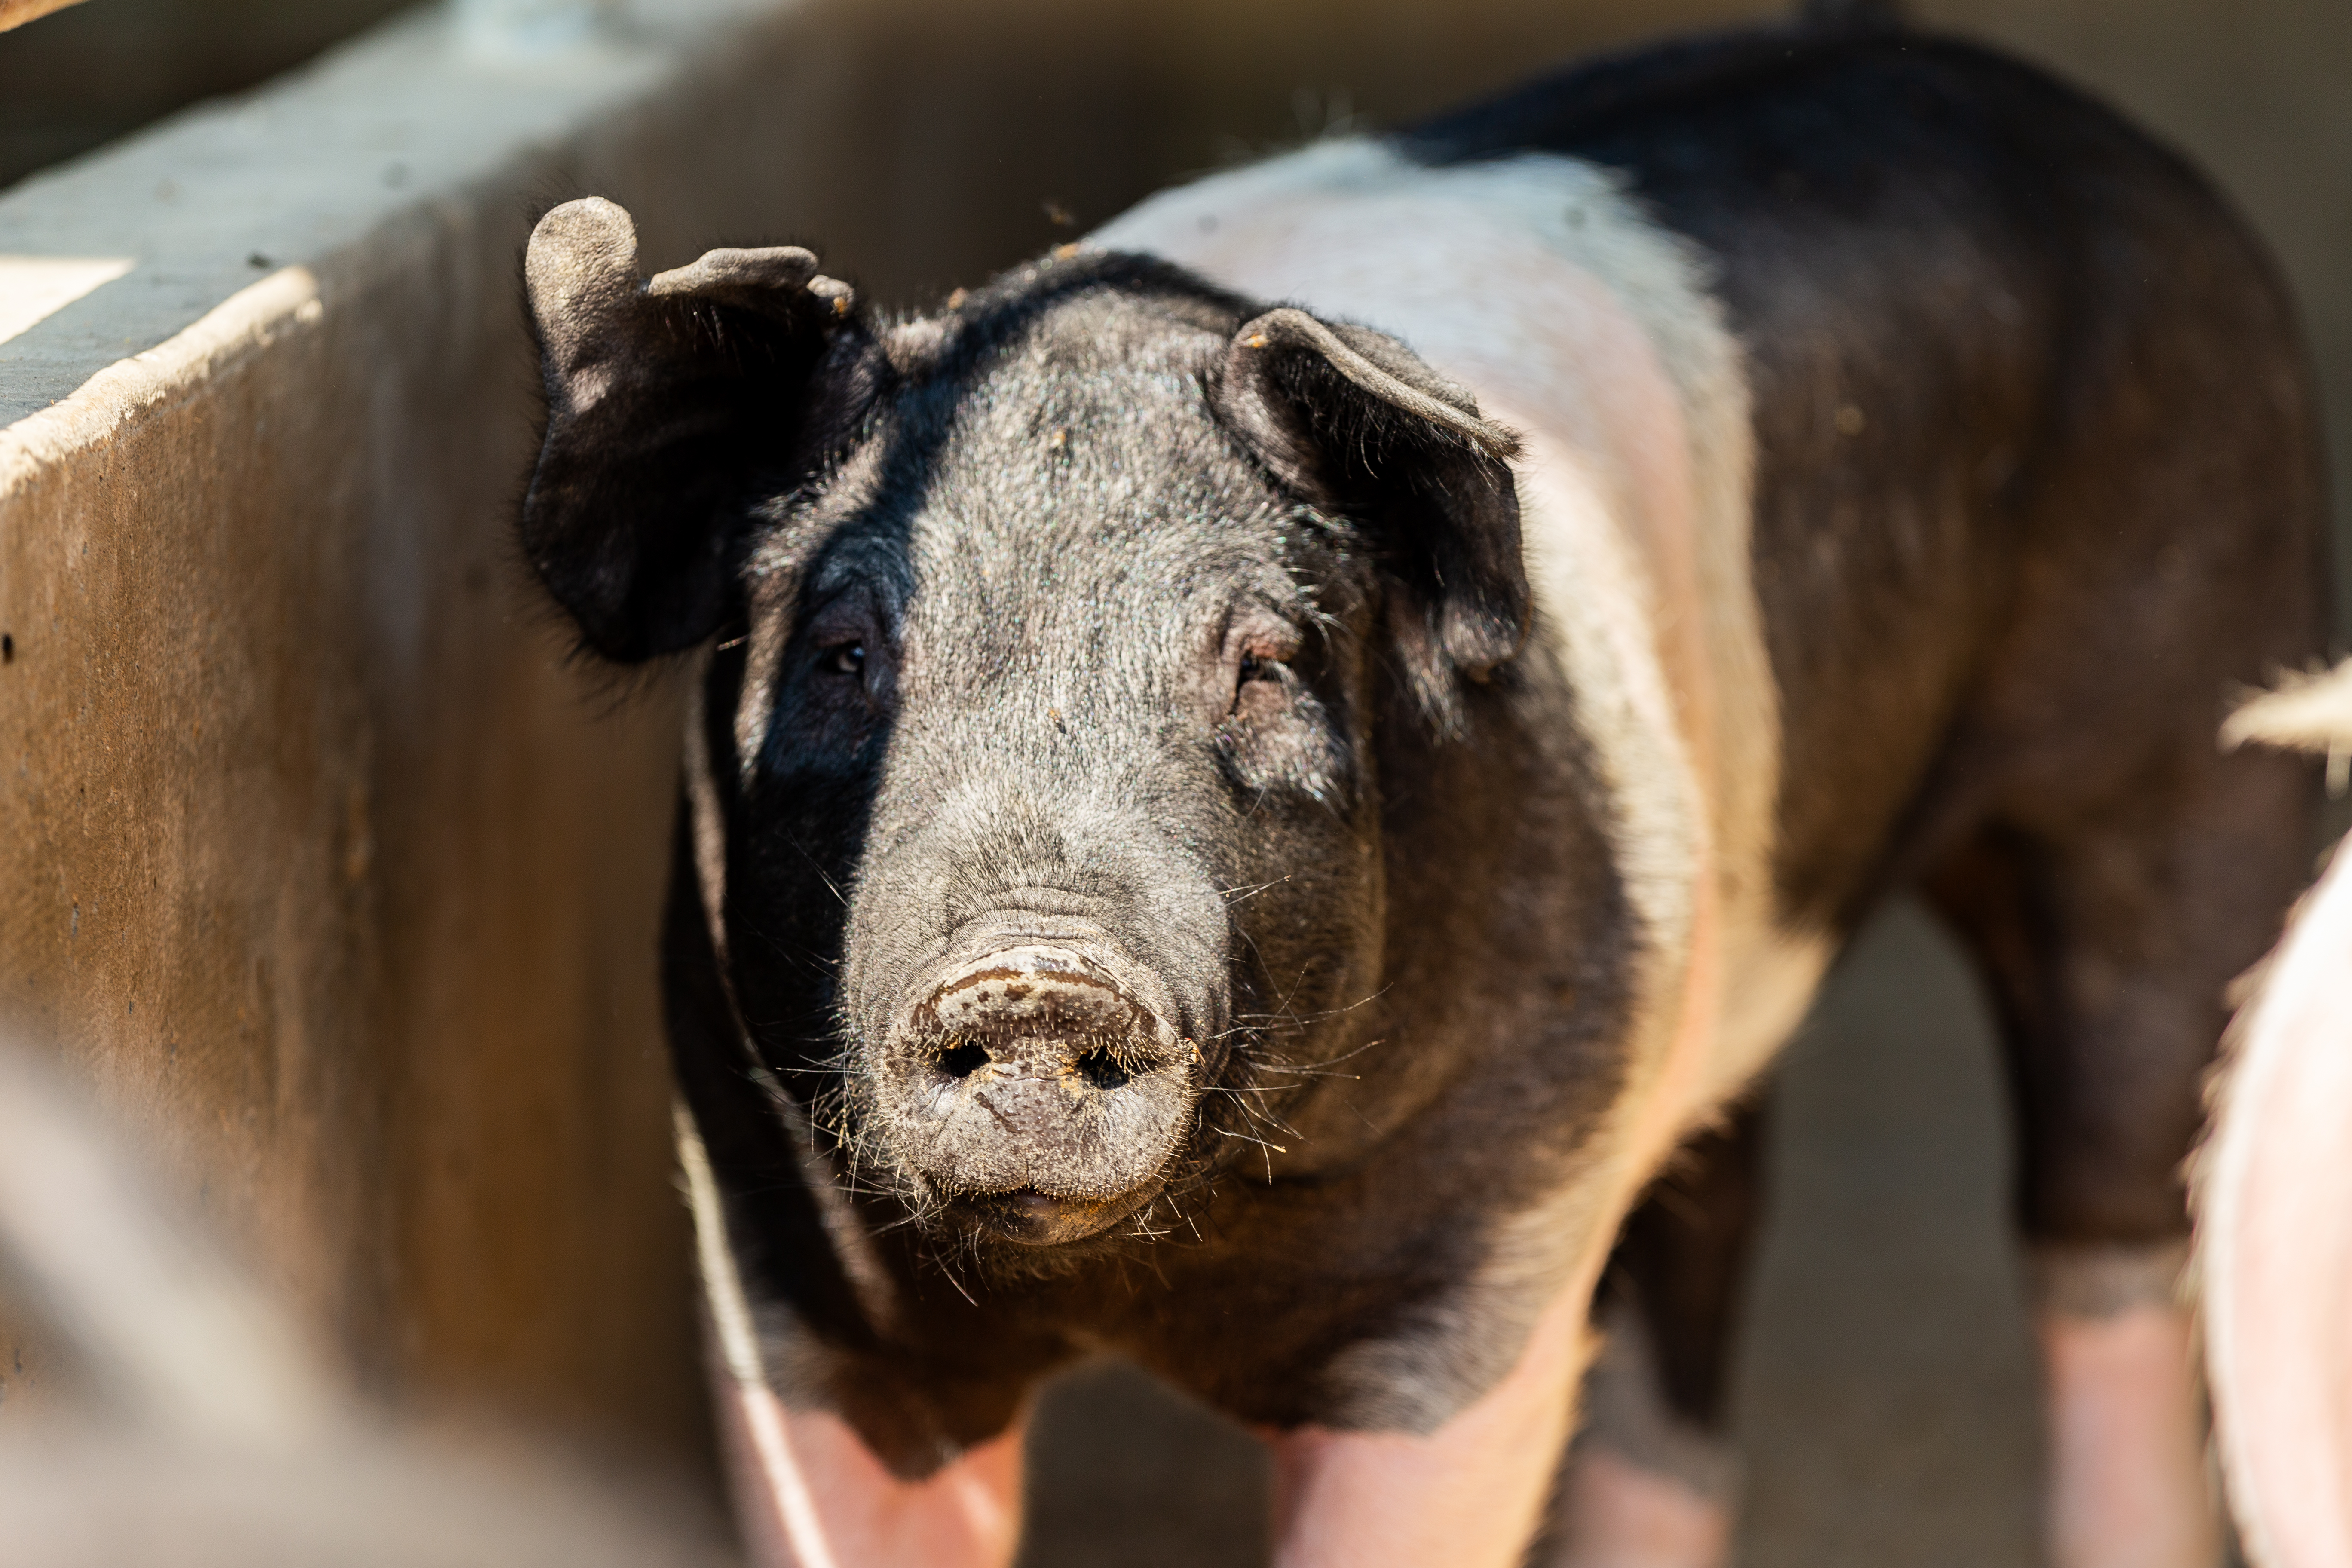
{"x": 205, "y": 1434}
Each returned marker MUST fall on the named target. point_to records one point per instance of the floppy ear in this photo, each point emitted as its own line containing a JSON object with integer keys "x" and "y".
{"x": 665, "y": 401}
{"x": 1351, "y": 420}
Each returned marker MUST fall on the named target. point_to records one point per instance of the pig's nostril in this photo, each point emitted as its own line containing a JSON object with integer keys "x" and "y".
{"x": 1100, "y": 1068}
{"x": 962, "y": 1058}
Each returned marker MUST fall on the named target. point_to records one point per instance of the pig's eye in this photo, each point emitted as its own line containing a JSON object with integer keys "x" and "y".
{"x": 1261, "y": 675}
{"x": 848, "y": 658}
{"x": 1257, "y": 654}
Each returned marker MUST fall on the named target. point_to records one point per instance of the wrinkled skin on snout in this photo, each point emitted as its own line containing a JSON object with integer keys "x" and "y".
{"x": 1032, "y": 791}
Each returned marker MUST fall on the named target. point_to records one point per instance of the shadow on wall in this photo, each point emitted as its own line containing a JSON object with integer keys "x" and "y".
{"x": 1129, "y": 94}
{"x": 1115, "y": 100}
{"x": 84, "y": 76}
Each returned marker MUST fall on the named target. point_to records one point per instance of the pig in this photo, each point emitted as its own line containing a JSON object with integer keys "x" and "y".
{"x": 1259, "y": 791}
{"x": 2273, "y": 1197}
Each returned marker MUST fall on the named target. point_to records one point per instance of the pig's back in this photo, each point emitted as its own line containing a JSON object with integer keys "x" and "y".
{"x": 1981, "y": 320}
{"x": 1835, "y": 350}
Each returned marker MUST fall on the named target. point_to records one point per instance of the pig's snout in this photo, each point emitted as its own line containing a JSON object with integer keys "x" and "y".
{"x": 1038, "y": 1090}
{"x": 1036, "y": 1013}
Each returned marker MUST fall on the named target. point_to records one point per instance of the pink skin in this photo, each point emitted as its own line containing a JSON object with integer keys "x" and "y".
{"x": 2127, "y": 1481}
{"x": 2276, "y": 1247}
{"x": 1468, "y": 1495}
{"x": 2128, "y": 1485}
{"x": 809, "y": 1495}
{"x": 1622, "y": 1516}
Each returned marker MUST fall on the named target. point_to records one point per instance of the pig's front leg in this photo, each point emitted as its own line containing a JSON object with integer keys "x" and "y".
{"x": 808, "y": 1493}
{"x": 1653, "y": 1476}
{"x": 1645, "y": 1485}
{"x": 1468, "y": 1495}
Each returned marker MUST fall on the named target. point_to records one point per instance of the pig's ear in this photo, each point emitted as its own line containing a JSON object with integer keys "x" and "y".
{"x": 666, "y": 401}
{"x": 1351, "y": 420}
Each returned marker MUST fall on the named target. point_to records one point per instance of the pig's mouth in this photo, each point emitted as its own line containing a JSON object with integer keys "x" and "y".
{"x": 1040, "y": 1219}
{"x": 1039, "y": 1091}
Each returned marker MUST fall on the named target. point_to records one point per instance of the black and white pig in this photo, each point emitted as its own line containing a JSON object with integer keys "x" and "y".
{"x": 1253, "y": 781}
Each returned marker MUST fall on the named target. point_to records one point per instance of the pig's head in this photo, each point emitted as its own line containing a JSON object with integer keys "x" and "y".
{"x": 1050, "y": 639}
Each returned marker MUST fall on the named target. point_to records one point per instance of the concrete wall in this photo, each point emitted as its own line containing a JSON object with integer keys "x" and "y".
{"x": 315, "y": 857}
{"x": 318, "y": 859}
{"x": 82, "y": 78}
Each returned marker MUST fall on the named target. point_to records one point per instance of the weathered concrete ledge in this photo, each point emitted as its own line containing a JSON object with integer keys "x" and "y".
{"x": 315, "y": 858}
